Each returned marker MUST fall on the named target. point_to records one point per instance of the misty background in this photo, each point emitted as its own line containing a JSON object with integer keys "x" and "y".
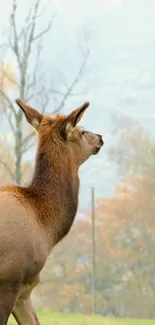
{"x": 117, "y": 38}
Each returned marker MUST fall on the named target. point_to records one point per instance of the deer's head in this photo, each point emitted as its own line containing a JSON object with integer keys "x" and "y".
{"x": 63, "y": 131}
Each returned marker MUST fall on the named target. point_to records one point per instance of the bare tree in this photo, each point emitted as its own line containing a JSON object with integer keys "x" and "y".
{"x": 26, "y": 42}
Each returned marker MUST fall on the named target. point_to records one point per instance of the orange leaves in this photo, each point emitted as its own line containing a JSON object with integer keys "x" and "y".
{"x": 125, "y": 254}
{"x": 7, "y": 75}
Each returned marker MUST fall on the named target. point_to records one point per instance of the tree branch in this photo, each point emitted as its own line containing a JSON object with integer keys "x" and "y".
{"x": 57, "y": 92}
{"x": 9, "y": 118}
{"x": 33, "y": 82}
{"x": 73, "y": 84}
{"x": 8, "y": 101}
{"x": 15, "y": 45}
{"x": 31, "y": 96}
{"x": 25, "y": 30}
{"x": 31, "y": 145}
{"x": 45, "y": 31}
{"x": 30, "y": 39}
{"x": 45, "y": 101}
{"x": 26, "y": 141}
{"x": 4, "y": 164}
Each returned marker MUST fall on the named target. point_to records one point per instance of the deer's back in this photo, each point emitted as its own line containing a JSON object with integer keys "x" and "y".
{"x": 23, "y": 248}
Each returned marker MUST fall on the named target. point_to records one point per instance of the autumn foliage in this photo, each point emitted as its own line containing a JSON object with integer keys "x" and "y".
{"x": 125, "y": 244}
{"x": 125, "y": 247}
{"x": 125, "y": 236}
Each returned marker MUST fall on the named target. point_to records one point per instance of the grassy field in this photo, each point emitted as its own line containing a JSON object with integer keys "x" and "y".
{"x": 48, "y": 318}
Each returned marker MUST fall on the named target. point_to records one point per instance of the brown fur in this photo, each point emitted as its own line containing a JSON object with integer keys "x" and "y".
{"x": 35, "y": 218}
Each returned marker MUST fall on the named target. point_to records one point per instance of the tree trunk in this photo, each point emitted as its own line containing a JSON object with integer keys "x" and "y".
{"x": 18, "y": 150}
{"x": 19, "y": 135}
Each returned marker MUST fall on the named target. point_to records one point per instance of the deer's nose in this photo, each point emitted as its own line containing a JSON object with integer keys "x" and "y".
{"x": 101, "y": 139}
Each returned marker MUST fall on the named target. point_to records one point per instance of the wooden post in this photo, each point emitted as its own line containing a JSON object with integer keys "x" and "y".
{"x": 93, "y": 255}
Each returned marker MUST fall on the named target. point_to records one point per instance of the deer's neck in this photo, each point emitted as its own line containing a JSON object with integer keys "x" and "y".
{"x": 55, "y": 184}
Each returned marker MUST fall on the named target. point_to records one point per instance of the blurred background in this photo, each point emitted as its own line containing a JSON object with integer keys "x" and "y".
{"x": 55, "y": 55}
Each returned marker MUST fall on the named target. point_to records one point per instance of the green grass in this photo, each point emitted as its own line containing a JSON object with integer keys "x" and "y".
{"x": 48, "y": 318}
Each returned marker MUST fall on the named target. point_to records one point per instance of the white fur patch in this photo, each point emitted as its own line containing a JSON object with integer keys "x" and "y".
{"x": 69, "y": 126}
{"x": 35, "y": 123}
{"x": 69, "y": 129}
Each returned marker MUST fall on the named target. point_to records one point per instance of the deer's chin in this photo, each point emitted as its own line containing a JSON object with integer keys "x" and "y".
{"x": 96, "y": 151}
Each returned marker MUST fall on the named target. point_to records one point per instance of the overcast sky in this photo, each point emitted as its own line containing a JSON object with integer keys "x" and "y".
{"x": 120, "y": 75}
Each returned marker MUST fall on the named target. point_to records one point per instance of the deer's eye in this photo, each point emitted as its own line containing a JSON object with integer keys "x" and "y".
{"x": 83, "y": 132}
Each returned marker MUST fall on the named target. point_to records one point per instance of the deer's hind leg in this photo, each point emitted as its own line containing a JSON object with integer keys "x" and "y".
{"x": 24, "y": 313}
{"x": 23, "y": 310}
{"x": 8, "y": 295}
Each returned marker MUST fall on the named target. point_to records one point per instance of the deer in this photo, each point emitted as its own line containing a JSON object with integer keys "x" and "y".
{"x": 34, "y": 218}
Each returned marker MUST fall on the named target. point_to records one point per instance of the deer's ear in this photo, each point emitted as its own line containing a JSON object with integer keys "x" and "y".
{"x": 73, "y": 119}
{"x": 32, "y": 116}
